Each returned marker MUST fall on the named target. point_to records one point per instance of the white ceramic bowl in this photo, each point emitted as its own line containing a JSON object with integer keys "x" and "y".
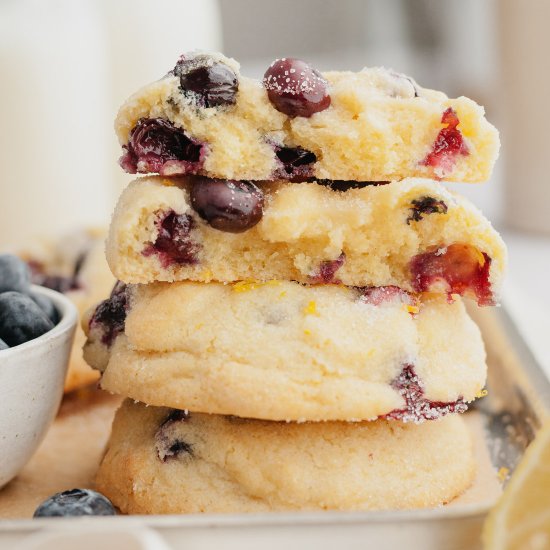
{"x": 31, "y": 387}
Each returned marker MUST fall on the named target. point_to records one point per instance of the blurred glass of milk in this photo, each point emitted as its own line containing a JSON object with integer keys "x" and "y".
{"x": 66, "y": 66}
{"x": 525, "y": 92}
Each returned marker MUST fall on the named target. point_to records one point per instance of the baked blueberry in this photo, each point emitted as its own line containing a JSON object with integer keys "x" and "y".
{"x": 21, "y": 319}
{"x": 295, "y": 88}
{"x": 111, "y": 314}
{"x": 76, "y": 502}
{"x": 46, "y": 305}
{"x": 227, "y": 205}
{"x": 14, "y": 274}
{"x": 209, "y": 82}
{"x": 425, "y": 205}
{"x": 168, "y": 444}
{"x": 296, "y": 162}
{"x": 154, "y": 143}
{"x": 417, "y": 408}
{"x": 458, "y": 268}
{"x": 174, "y": 244}
{"x": 327, "y": 271}
{"x": 448, "y": 145}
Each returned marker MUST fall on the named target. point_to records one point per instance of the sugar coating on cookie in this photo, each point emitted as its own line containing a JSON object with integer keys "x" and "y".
{"x": 284, "y": 351}
{"x": 161, "y": 461}
{"x": 205, "y": 118}
{"x": 413, "y": 234}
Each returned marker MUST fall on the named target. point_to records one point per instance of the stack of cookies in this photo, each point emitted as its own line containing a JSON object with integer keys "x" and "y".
{"x": 288, "y": 325}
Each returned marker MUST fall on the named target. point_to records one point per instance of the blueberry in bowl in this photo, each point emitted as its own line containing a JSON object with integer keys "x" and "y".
{"x": 37, "y": 327}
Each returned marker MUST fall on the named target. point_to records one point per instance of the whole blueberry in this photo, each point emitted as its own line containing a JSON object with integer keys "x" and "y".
{"x": 3, "y": 345}
{"x": 21, "y": 319}
{"x": 295, "y": 88}
{"x": 46, "y": 305}
{"x": 76, "y": 502}
{"x": 14, "y": 274}
{"x": 227, "y": 205}
{"x": 212, "y": 83}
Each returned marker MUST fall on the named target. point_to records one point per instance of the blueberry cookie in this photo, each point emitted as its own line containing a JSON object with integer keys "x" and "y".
{"x": 283, "y": 351}
{"x": 205, "y": 118}
{"x": 166, "y": 461}
{"x": 412, "y": 234}
{"x": 74, "y": 265}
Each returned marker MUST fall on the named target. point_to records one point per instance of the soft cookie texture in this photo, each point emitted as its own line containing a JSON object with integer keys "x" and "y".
{"x": 161, "y": 461}
{"x": 75, "y": 265}
{"x": 378, "y": 125}
{"x": 284, "y": 351}
{"x": 413, "y": 234}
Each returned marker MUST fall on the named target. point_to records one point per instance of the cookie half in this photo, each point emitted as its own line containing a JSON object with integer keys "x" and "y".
{"x": 203, "y": 117}
{"x": 412, "y": 234}
{"x": 285, "y": 351}
{"x": 163, "y": 461}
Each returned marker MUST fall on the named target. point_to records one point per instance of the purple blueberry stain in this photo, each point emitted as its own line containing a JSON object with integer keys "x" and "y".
{"x": 110, "y": 315}
{"x": 327, "y": 269}
{"x": 425, "y": 205}
{"x": 417, "y": 408}
{"x": 169, "y": 445}
{"x": 157, "y": 146}
{"x": 174, "y": 244}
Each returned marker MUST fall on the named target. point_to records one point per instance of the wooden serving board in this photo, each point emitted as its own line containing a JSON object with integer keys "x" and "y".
{"x": 69, "y": 455}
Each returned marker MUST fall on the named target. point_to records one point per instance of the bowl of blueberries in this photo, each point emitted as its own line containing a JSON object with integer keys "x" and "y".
{"x": 37, "y": 327}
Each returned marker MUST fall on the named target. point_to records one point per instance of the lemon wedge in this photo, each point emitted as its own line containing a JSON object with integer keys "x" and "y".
{"x": 521, "y": 518}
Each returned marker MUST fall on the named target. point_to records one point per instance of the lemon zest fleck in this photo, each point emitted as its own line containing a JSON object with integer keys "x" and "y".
{"x": 311, "y": 308}
{"x": 502, "y": 474}
{"x": 246, "y": 286}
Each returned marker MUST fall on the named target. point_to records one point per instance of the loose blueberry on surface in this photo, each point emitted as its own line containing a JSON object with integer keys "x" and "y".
{"x": 295, "y": 88}
{"x": 461, "y": 268}
{"x": 21, "y": 319}
{"x": 212, "y": 83}
{"x": 296, "y": 162}
{"x": 417, "y": 407}
{"x": 227, "y": 205}
{"x": 3, "y": 345}
{"x": 169, "y": 444}
{"x": 110, "y": 315}
{"x": 174, "y": 244}
{"x": 448, "y": 145}
{"x": 156, "y": 145}
{"x": 14, "y": 274}
{"x": 425, "y": 205}
{"x": 76, "y": 502}
{"x": 46, "y": 305}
